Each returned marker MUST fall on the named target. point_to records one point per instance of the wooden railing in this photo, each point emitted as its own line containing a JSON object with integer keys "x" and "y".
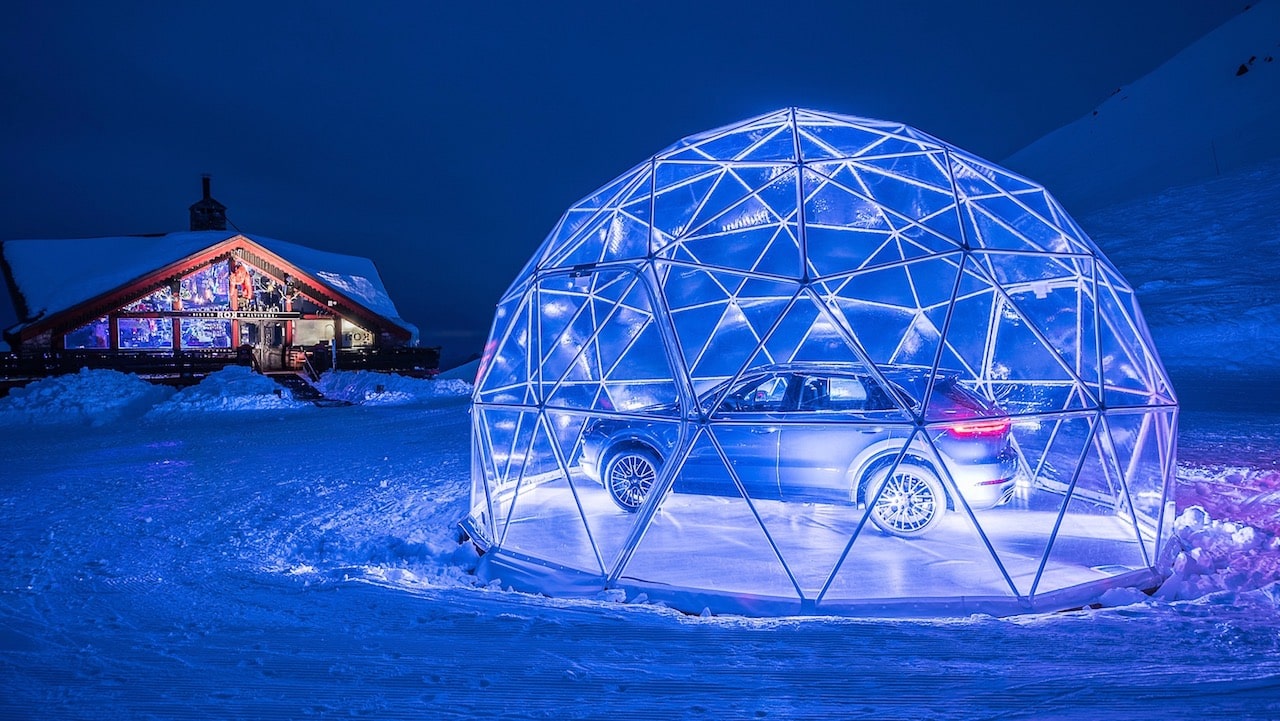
{"x": 196, "y": 362}
{"x": 406, "y": 361}
{"x": 181, "y": 363}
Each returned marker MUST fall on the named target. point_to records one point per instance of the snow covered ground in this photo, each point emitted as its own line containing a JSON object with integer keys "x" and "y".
{"x": 224, "y": 552}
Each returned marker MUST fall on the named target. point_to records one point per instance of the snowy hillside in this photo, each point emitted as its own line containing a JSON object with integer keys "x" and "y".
{"x": 1203, "y": 258}
{"x": 1210, "y": 109}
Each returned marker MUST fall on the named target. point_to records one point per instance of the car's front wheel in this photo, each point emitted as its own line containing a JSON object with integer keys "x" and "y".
{"x": 629, "y": 475}
{"x": 907, "y": 502}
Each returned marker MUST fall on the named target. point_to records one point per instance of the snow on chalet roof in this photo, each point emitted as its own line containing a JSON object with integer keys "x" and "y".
{"x": 54, "y": 275}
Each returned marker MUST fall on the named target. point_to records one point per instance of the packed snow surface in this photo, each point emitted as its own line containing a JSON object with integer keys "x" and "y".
{"x": 287, "y": 561}
{"x": 384, "y": 389}
{"x": 226, "y": 552}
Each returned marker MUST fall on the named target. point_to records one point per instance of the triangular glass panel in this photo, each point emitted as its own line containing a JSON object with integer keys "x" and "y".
{"x": 546, "y": 518}
{"x": 1049, "y": 449}
{"x": 675, "y": 205}
{"x": 612, "y": 235}
{"x": 738, "y": 331}
{"x": 705, "y": 535}
{"x": 913, "y": 186}
{"x": 673, "y": 176}
{"x": 507, "y": 445}
{"x": 1129, "y": 368}
{"x": 889, "y": 309}
{"x": 1143, "y": 444}
{"x": 967, "y": 165}
{"x": 947, "y": 556}
{"x": 779, "y": 145}
{"x": 567, "y": 324}
{"x": 972, "y": 180}
{"x": 685, "y": 286}
{"x": 1031, "y": 231}
{"x": 507, "y": 372}
{"x": 1097, "y": 537}
{"x": 837, "y": 140}
{"x": 808, "y": 333}
{"x": 732, "y": 205}
{"x": 1053, "y": 294}
{"x": 986, "y": 231}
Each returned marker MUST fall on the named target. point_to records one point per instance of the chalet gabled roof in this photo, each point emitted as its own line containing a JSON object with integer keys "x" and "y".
{"x": 51, "y": 277}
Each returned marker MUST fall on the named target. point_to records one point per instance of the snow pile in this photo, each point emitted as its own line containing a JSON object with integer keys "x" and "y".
{"x": 234, "y": 388}
{"x": 95, "y": 397}
{"x": 387, "y": 389}
{"x": 1214, "y": 556}
{"x": 1244, "y": 495}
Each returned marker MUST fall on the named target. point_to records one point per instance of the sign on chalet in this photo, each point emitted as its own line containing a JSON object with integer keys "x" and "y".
{"x": 208, "y": 294}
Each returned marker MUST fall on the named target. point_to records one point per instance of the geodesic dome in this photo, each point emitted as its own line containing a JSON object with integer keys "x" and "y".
{"x": 811, "y": 363}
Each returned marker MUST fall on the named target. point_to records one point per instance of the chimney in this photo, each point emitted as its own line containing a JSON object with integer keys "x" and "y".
{"x": 207, "y": 213}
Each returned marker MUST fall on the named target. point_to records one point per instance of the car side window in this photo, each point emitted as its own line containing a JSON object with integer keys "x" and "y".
{"x": 815, "y": 394}
{"x": 842, "y": 394}
{"x": 767, "y": 395}
{"x": 848, "y": 394}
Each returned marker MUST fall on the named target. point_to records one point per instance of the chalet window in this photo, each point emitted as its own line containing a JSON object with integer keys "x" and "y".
{"x": 146, "y": 333}
{"x": 205, "y": 333}
{"x": 161, "y": 300}
{"x": 95, "y": 336}
{"x": 207, "y": 288}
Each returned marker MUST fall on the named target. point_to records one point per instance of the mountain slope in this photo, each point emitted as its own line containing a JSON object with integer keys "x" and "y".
{"x": 1203, "y": 258}
{"x": 1209, "y": 110}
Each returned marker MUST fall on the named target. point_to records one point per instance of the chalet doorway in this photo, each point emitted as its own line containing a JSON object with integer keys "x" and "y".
{"x": 266, "y": 337}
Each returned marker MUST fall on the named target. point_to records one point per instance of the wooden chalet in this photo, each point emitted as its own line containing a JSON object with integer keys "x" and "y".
{"x": 183, "y": 304}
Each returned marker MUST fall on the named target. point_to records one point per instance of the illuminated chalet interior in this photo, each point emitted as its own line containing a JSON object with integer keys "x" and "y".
{"x": 203, "y": 298}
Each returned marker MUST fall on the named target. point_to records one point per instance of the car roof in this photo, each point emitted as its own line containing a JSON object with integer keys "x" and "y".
{"x": 847, "y": 367}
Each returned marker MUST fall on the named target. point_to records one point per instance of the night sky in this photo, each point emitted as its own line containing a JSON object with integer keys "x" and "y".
{"x": 444, "y": 140}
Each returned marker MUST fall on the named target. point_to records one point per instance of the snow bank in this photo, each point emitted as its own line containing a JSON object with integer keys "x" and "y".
{"x": 1211, "y": 556}
{"x": 234, "y": 388}
{"x": 386, "y": 389}
{"x": 466, "y": 372}
{"x": 93, "y": 397}
{"x": 1244, "y": 495}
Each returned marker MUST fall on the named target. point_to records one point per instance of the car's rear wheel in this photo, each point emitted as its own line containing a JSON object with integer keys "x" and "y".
{"x": 906, "y": 502}
{"x": 629, "y": 475}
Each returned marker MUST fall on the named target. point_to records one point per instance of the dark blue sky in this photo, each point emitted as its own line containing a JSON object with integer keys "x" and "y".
{"x": 443, "y": 140}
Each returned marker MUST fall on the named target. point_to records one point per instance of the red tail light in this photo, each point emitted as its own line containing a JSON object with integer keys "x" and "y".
{"x": 984, "y": 428}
